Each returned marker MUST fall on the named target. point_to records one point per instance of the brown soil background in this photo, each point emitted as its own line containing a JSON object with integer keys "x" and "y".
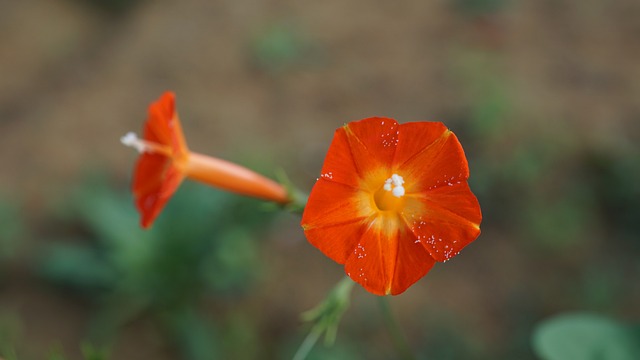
{"x": 73, "y": 79}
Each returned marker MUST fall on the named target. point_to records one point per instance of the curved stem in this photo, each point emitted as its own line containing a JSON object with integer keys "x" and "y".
{"x": 397, "y": 336}
{"x": 307, "y": 344}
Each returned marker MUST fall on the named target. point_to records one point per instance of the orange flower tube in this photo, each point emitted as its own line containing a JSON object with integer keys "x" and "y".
{"x": 165, "y": 161}
{"x": 391, "y": 201}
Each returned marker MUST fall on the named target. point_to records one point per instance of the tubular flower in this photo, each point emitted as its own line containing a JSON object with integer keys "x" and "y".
{"x": 165, "y": 161}
{"x": 391, "y": 201}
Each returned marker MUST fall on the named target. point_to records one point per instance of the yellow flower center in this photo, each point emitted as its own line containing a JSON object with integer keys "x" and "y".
{"x": 390, "y": 197}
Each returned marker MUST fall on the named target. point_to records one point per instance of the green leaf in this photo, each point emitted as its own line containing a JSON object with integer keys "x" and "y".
{"x": 77, "y": 266}
{"x": 12, "y": 228}
{"x": 585, "y": 337}
{"x": 195, "y": 335}
{"x": 278, "y": 48}
{"x": 91, "y": 352}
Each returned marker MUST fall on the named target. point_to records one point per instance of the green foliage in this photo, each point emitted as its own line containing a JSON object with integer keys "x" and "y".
{"x": 56, "y": 354}
{"x": 90, "y": 352}
{"x": 326, "y": 316}
{"x": 486, "y": 91}
{"x": 195, "y": 335}
{"x": 460, "y": 344}
{"x": 573, "y": 202}
{"x": 614, "y": 177}
{"x": 480, "y": 7}
{"x": 10, "y": 331}
{"x": 203, "y": 244}
{"x": 281, "y": 47}
{"x": 113, "y": 7}
{"x": 586, "y": 337}
{"x": 12, "y": 227}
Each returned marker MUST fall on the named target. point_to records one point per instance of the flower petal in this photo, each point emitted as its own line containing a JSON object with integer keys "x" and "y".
{"x": 155, "y": 180}
{"x": 444, "y": 220}
{"x": 442, "y": 163}
{"x": 163, "y": 125}
{"x": 373, "y": 260}
{"x": 388, "y": 248}
{"x": 332, "y": 217}
{"x": 339, "y": 165}
{"x": 337, "y": 241}
{"x": 372, "y": 142}
{"x": 332, "y": 203}
{"x": 413, "y": 137}
{"x": 414, "y": 262}
{"x": 386, "y": 262}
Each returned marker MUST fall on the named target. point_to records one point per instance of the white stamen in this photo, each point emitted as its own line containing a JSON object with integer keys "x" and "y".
{"x": 398, "y": 191}
{"x": 132, "y": 140}
{"x": 394, "y": 184}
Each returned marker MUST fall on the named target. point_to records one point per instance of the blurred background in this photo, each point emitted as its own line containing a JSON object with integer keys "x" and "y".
{"x": 544, "y": 96}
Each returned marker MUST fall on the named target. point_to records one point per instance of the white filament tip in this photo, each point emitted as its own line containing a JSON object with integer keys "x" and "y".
{"x": 131, "y": 139}
{"x": 398, "y": 191}
{"x": 394, "y": 184}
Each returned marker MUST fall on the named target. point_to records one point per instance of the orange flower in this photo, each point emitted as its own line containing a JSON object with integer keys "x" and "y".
{"x": 391, "y": 201}
{"x": 165, "y": 161}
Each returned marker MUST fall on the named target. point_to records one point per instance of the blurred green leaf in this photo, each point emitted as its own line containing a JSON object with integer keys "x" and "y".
{"x": 204, "y": 243}
{"x": 234, "y": 261}
{"x": 485, "y": 89}
{"x": 11, "y": 329}
{"x": 277, "y": 48}
{"x": 585, "y": 337}
{"x": 558, "y": 224}
{"x": 91, "y": 352}
{"x": 615, "y": 175}
{"x": 113, "y": 7}
{"x": 56, "y": 354}
{"x": 480, "y": 7}
{"x": 280, "y": 47}
{"x": 77, "y": 266}
{"x": 240, "y": 329}
{"x": 12, "y": 228}
{"x": 194, "y": 335}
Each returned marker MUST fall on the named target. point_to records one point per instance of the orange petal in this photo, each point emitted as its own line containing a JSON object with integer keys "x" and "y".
{"x": 372, "y": 261}
{"x": 442, "y": 163}
{"x": 387, "y": 263}
{"x": 332, "y": 203}
{"x": 414, "y": 137}
{"x": 444, "y": 220}
{"x": 337, "y": 241}
{"x": 332, "y": 216}
{"x": 155, "y": 180}
{"x": 156, "y": 177}
{"x": 372, "y": 142}
{"x": 414, "y": 262}
{"x": 339, "y": 165}
{"x": 163, "y": 126}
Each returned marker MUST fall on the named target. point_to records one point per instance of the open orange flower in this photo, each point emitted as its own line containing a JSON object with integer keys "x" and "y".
{"x": 165, "y": 161}
{"x": 391, "y": 201}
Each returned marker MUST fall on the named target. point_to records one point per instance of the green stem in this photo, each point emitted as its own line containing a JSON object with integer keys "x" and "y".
{"x": 298, "y": 198}
{"x": 326, "y": 317}
{"x": 397, "y": 336}
{"x": 307, "y": 344}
